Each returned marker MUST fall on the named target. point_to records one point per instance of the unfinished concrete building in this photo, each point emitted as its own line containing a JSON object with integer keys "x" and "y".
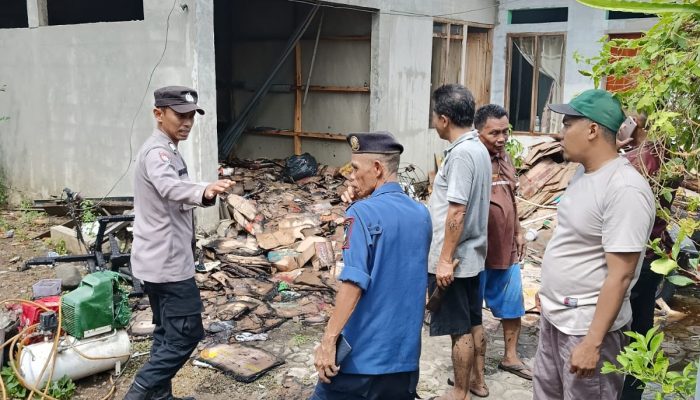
{"x": 78, "y": 77}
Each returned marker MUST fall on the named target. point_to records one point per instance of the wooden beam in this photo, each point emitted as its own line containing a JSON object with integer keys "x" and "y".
{"x": 297, "y": 99}
{"x": 460, "y": 22}
{"x": 346, "y": 38}
{"x": 445, "y": 36}
{"x": 339, "y": 89}
{"x": 312, "y": 135}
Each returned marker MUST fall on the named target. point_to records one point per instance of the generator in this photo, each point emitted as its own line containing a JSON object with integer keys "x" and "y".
{"x": 99, "y": 305}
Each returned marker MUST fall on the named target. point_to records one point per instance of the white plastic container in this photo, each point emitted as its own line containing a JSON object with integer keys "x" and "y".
{"x": 111, "y": 348}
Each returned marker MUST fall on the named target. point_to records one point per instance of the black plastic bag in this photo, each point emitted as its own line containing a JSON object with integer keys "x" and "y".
{"x": 300, "y": 167}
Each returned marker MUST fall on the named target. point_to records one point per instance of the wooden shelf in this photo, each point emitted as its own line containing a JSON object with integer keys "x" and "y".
{"x": 291, "y": 133}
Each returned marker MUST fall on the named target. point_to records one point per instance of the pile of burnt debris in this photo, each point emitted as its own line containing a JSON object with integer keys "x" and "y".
{"x": 276, "y": 251}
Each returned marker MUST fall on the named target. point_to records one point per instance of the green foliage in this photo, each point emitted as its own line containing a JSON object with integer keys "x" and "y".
{"x": 29, "y": 215}
{"x": 644, "y": 359}
{"x": 60, "y": 248}
{"x": 4, "y": 195}
{"x": 515, "y": 150}
{"x": 87, "y": 214}
{"x": 15, "y": 390}
{"x": 642, "y": 6}
{"x": 666, "y": 87}
{"x": 300, "y": 339}
{"x": 62, "y": 389}
{"x": 3, "y": 118}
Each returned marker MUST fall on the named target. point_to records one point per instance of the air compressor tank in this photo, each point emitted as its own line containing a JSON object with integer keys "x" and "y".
{"x": 110, "y": 348}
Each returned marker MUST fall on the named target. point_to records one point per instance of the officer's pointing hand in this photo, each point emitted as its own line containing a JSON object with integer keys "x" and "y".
{"x": 218, "y": 187}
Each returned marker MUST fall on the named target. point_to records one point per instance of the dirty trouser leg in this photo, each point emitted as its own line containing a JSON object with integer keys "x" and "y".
{"x": 547, "y": 379}
{"x": 599, "y": 386}
{"x": 552, "y": 379}
{"x": 182, "y": 329}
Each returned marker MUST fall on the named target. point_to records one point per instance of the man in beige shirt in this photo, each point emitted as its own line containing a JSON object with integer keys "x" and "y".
{"x": 161, "y": 256}
{"x": 590, "y": 264}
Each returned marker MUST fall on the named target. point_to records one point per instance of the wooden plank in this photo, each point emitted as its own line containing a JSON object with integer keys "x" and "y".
{"x": 346, "y": 38}
{"x": 297, "y": 99}
{"x": 445, "y": 36}
{"x": 313, "y": 135}
{"x": 478, "y": 67}
{"x": 458, "y": 22}
{"x": 339, "y": 89}
{"x": 447, "y": 54}
{"x": 463, "y": 70}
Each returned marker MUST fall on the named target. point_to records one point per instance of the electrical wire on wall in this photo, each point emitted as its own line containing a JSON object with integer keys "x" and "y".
{"x": 138, "y": 110}
{"x": 408, "y": 13}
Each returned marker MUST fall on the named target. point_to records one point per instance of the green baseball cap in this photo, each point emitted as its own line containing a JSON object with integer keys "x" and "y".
{"x": 598, "y": 105}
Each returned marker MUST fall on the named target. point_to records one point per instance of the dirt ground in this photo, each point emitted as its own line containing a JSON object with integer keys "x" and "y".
{"x": 200, "y": 382}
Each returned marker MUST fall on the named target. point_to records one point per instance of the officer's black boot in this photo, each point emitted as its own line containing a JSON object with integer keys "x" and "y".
{"x": 165, "y": 392}
{"x": 137, "y": 392}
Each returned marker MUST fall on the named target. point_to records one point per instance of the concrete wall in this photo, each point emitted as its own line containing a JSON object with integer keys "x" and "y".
{"x": 583, "y": 30}
{"x": 401, "y": 52}
{"x": 73, "y": 91}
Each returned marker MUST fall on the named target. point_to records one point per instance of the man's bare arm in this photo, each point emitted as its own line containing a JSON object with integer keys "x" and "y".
{"x": 454, "y": 226}
{"x": 345, "y": 302}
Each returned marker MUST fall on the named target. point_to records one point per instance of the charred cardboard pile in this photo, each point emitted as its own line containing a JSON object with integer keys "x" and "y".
{"x": 276, "y": 252}
{"x": 543, "y": 177}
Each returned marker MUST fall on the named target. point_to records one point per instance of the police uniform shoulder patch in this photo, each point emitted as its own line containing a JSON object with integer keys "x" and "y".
{"x": 349, "y": 221}
{"x": 165, "y": 157}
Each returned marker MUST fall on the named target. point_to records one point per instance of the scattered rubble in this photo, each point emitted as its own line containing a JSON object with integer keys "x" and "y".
{"x": 274, "y": 258}
{"x": 543, "y": 177}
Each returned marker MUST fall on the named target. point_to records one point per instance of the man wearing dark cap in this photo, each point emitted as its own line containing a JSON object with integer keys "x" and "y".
{"x": 379, "y": 306}
{"x": 161, "y": 253}
{"x": 604, "y": 220}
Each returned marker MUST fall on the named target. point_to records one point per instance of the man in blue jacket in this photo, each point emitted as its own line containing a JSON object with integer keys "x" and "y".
{"x": 380, "y": 303}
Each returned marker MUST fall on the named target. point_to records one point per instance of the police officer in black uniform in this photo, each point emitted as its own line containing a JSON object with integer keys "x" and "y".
{"x": 161, "y": 256}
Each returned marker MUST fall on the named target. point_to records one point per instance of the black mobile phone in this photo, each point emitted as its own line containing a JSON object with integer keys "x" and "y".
{"x": 342, "y": 349}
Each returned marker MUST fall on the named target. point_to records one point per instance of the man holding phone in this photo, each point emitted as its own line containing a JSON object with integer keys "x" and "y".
{"x": 379, "y": 305}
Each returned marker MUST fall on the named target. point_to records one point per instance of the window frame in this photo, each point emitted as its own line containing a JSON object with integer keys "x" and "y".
{"x": 448, "y": 38}
{"x": 535, "y": 76}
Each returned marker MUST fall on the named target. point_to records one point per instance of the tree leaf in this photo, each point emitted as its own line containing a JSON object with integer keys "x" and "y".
{"x": 680, "y": 280}
{"x": 642, "y": 6}
{"x": 663, "y": 266}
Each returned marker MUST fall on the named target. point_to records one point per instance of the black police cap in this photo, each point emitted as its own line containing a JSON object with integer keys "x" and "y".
{"x": 374, "y": 142}
{"x": 180, "y": 98}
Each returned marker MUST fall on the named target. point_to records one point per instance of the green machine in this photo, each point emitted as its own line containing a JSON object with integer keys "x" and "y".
{"x": 98, "y": 305}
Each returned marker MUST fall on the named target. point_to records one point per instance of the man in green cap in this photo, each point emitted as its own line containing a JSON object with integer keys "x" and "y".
{"x": 594, "y": 257}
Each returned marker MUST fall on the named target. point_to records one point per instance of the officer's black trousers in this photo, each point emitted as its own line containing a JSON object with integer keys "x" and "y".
{"x": 177, "y": 311}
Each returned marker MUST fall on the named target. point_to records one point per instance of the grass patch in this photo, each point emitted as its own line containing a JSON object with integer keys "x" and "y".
{"x": 299, "y": 339}
{"x": 29, "y": 215}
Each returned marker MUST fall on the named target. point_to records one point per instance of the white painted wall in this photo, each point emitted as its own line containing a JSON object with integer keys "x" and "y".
{"x": 583, "y": 30}
{"x": 73, "y": 91}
